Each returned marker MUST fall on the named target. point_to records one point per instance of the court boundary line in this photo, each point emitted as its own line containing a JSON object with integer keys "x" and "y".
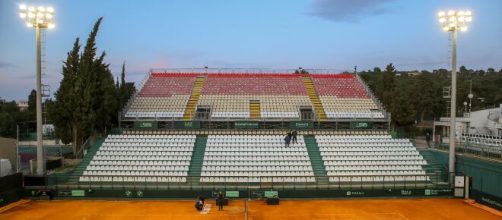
{"x": 483, "y": 207}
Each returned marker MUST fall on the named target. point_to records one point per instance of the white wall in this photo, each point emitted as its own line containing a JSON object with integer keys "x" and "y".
{"x": 481, "y": 123}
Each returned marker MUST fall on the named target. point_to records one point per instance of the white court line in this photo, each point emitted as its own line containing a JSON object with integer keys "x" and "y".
{"x": 206, "y": 209}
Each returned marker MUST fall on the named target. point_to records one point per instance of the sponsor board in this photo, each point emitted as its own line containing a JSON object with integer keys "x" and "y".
{"x": 145, "y": 124}
{"x": 245, "y": 124}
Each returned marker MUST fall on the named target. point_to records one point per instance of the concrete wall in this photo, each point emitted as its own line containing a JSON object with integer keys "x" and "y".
{"x": 8, "y": 150}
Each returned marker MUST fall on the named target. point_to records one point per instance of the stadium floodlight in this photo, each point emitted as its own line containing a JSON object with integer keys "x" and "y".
{"x": 40, "y": 18}
{"x": 454, "y": 21}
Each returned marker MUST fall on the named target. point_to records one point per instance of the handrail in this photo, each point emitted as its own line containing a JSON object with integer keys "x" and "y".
{"x": 131, "y": 99}
{"x": 372, "y": 95}
{"x": 244, "y": 70}
{"x": 84, "y": 145}
{"x": 438, "y": 179}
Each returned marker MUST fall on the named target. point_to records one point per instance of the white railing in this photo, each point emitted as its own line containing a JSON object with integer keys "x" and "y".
{"x": 133, "y": 97}
{"x": 372, "y": 95}
{"x": 243, "y": 71}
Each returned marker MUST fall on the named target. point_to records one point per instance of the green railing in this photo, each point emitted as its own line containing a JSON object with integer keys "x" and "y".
{"x": 480, "y": 150}
{"x": 61, "y": 181}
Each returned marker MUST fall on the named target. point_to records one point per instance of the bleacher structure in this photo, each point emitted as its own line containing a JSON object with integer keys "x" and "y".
{"x": 165, "y": 96}
{"x": 212, "y": 130}
{"x": 370, "y": 158}
{"x": 255, "y": 158}
{"x": 481, "y": 144}
{"x": 141, "y": 158}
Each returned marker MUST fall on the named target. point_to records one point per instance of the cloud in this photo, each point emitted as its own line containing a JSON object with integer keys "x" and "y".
{"x": 4, "y": 64}
{"x": 349, "y": 10}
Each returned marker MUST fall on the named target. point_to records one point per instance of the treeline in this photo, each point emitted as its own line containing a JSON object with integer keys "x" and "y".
{"x": 415, "y": 96}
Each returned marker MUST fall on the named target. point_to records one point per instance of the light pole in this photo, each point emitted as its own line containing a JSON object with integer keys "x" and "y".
{"x": 39, "y": 18}
{"x": 454, "y": 21}
{"x": 470, "y": 96}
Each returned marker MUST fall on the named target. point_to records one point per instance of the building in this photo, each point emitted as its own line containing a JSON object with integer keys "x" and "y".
{"x": 22, "y": 105}
{"x": 483, "y": 122}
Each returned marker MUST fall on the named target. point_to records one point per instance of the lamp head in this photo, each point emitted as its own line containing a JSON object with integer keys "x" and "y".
{"x": 41, "y": 17}
{"x": 455, "y": 20}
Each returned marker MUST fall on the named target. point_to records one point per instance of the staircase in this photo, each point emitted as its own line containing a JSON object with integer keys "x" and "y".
{"x": 314, "y": 99}
{"x": 194, "y": 98}
{"x": 254, "y": 109}
{"x": 435, "y": 170}
{"x": 316, "y": 160}
{"x": 79, "y": 170}
{"x": 199, "y": 149}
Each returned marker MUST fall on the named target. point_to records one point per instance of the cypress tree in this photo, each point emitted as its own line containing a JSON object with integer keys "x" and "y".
{"x": 63, "y": 110}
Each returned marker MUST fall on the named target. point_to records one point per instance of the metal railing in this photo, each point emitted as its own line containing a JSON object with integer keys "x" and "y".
{"x": 243, "y": 71}
{"x": 475, "y": 149}
{"x": 436, "y": 180}
{"x": 373, "y": 97}
{"x": 133, "y": 97}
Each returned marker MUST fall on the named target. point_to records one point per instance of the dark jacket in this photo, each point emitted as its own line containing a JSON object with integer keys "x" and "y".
{"x": 287, "y": 139}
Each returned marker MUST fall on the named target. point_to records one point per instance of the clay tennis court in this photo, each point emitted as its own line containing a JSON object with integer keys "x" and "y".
{"x": 392, "y": 209}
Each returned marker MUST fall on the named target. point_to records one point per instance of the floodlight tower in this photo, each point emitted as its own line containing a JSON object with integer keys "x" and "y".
{"x": 454, "y": 21}
{"x": 40, "y": 18}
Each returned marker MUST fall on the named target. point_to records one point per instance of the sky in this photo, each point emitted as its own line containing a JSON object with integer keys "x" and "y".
{"x": 279, "y": 34}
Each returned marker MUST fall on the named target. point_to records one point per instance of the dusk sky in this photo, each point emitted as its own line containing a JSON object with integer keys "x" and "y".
{"x": 319, "y": 34}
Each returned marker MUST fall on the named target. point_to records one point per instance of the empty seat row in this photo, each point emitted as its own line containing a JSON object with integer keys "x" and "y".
{"x": 133, "y": 173}
{"x": 141, "y": 158}
{"x": 376, "y": 179}
{"x": 373, "y": 162}
{"x": 256, "y": 168}
{"x": 373, "y": 167}
{"x": 257, "y": 173}
{"x": 256, "y": 148}
{"x": 140, "y": 162}
{"x": 138, "y": 168}
{"x": 257, "y": 179}
{"x": 252, "y": 153}
{"x": 132, "y": 179}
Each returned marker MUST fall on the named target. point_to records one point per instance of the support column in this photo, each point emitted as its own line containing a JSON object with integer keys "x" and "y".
{"x": 40, "y": 150}
{"x": 453, "y": 115}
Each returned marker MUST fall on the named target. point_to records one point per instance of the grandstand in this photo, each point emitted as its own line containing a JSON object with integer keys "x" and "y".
{"x": 191, "y": 132}
{"x": 206, "y": 130}
{"x": 277, "y": 96}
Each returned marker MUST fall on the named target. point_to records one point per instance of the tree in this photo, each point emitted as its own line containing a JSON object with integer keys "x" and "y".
{"x": 301, "y": 71}
{"x": 63, "y": 111}
{"x": 126, "y": 89}
{"x": 32, "y": 101}
{"x": 388, "y": 86}
{"x": 7, "y": 125}
{"x": 86, "y": 100}
{"x": 106, "y": 104}
{"x": 10, "y": 115}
